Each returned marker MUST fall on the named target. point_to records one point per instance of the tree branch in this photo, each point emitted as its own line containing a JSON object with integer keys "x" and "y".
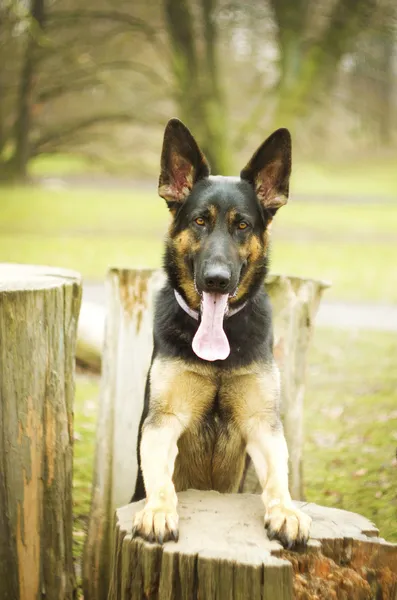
{"x": 61, "y": 134}
{"x": 78, "y": 80}
{"x": 104, "y": 15}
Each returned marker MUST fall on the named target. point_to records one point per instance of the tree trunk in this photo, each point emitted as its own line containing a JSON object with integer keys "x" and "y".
{"x": 386, "y": 112}
{"x": 125, "y": 362}
{"x": 223, "y": 553}
{"x": 25, "y": 93}
{"x": 198, "y": 90}
{"x": 127, "y": 354}
{"x": 39, "y": 310}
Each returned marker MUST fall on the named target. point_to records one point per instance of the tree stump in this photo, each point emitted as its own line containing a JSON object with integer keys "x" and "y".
{"x": 39, "y": 309}
{"x": 223, "y": 553}
{"x": 126, "y": 358}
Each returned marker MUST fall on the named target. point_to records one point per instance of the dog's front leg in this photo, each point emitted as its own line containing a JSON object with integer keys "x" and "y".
{"x": 158, "y": 521}
{"x": 268, "y": 450}
{"x": 255, "y": 405}
{"x": 178, "y": 398}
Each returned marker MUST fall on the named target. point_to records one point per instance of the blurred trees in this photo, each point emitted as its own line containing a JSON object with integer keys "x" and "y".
{"x": 198, "y": 93}
{"x": 103, "y": 77}
{"x": 68, "y": 76}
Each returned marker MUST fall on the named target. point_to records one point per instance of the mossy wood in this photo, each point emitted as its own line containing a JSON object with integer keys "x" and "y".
{"x": 39, "y": 309}
{"x": 126, "y": 358}
{"x": 223, "y": 553}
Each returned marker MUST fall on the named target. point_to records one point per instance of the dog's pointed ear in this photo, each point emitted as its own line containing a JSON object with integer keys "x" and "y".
{"x": 182, "y": 164}
{"x": 269, "y": 170}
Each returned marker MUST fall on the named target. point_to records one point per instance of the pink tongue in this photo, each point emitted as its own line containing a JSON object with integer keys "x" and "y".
{"x": 210, "y": 341}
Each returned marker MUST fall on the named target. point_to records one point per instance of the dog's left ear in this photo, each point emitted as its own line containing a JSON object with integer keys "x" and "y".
{"x": 182, "y": 164}
{"x": 269, "y": 170}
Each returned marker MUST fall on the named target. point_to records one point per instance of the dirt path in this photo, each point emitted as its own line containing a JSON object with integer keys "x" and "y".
{"x": 339, "y": 315}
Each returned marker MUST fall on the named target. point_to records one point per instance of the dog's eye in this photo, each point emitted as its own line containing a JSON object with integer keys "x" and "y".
{"x": 199, "y": 221}
{"x": 242, "y": 225}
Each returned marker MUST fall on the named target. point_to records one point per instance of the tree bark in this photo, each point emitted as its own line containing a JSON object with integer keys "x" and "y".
{"x": 25, "y": 93}
{"x": 223, "y": 553}
{"x": 308, "y": 64}
{"x": 127, "y": 354}
{"x": 39, "y": 310}
{"x": 125, "y": 362}
{"x": 198, "y": 89}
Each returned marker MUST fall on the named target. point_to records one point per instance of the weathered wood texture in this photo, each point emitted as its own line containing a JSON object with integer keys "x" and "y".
{"x": 223, "y": 553}
{"x": 127, "y": 353}
{"x": 39, "y": 310}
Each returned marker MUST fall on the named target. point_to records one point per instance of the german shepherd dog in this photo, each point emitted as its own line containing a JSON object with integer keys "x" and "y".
{"x": 213, "y": 388}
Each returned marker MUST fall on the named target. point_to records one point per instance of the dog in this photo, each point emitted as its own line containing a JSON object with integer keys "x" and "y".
{"x": 213, "y": 388}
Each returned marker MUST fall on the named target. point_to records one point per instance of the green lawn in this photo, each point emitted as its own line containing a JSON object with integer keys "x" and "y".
{"x": 85, "y": 415}
{"x": 372, "y": 176}
{"x": 350, "y": 421}
{"x": 376, "y": 176}
{"x": 351, "y": 425}
{"x": 354, "y": 246}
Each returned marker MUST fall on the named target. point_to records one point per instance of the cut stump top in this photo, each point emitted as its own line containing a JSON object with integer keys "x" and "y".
{"x": 232, "y": 525}
{"x": 20, "y": 277}
{"x": 224, "y": 533}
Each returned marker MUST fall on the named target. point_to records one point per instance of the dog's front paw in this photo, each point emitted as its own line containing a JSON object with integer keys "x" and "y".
{"x": 158, "y": 521}
{"x": 288, "y": 524}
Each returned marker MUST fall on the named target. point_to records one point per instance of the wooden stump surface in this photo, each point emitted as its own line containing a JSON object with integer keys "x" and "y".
{"x": 39, "y": 308}
{"x": 223, "y": 553}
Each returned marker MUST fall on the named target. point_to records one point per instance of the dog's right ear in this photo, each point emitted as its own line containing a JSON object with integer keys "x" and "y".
{"x": 182, "y": 164}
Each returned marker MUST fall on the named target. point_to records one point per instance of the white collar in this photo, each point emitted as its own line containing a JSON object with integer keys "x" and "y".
{"x": 195, "y": 314}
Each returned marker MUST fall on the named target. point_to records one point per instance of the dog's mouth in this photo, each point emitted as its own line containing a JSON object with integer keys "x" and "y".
{"x": 210, "y": 342}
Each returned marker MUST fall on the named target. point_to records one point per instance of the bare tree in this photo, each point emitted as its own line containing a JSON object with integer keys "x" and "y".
{"x": 194, "y": 42}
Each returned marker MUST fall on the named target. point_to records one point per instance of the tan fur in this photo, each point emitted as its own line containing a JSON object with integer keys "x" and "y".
{"x": 231, "y": 217}
{"x": 200, "y": 422}
{"x": 253, "y": 252}
{"x": 181, "y": 389}
{"x": 182, "y": 244}
{"x": 211, "y": 457}
{"x": 211, "y": 452}
{"x": 213, "y": 211}
{"x": 251, "y": 396}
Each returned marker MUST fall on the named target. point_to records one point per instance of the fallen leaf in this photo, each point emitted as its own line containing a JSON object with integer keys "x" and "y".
{"x": 360, "y": 472}
{"x": 324, "y": 440}
{"x": 334, "y": 412}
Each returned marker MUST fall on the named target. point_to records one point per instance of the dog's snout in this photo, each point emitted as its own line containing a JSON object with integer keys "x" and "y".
{"x": 217, "y": 278}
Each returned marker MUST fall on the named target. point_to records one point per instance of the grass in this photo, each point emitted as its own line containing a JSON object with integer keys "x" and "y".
{"x": 91, "y": 230}
{"x": 351, "y": 430}
{"x": 351, "y": 425}
{"x": 60, "y": 164}
{"x": 85, "y": 413}
{"x": 371, "y": 176}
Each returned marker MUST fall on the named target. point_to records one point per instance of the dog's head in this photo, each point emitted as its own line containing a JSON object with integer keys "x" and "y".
{"x": 219, "y": 235}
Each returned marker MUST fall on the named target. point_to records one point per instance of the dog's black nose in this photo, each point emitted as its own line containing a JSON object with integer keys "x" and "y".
{"x": 217, "y": 279}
